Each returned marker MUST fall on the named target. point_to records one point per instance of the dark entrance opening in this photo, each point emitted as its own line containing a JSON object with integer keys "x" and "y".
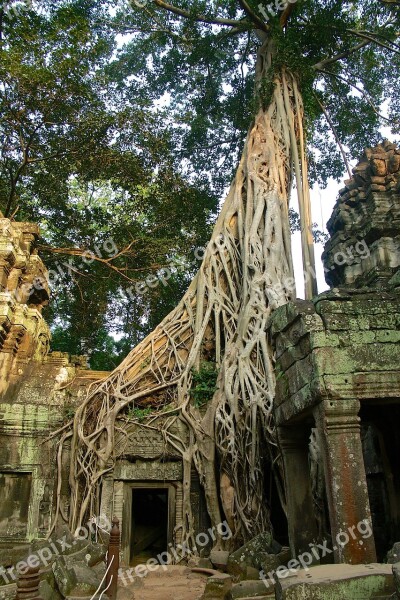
{"x": 149, "y": 523}
{"x": 381, "y": 449}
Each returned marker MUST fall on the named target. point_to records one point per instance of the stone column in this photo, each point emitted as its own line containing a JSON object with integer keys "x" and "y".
{"x": 346, "y": 482}
{"x": 302, "y": 524}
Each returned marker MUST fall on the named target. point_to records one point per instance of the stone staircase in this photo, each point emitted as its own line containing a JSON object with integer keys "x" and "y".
{"x": 170, "y": 582}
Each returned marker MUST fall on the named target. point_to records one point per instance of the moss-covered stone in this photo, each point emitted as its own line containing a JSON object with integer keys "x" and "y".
{"x": 217, "y": 587}
{"x": 338, "y": 582}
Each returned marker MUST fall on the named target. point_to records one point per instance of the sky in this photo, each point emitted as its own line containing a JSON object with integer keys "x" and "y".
{"x": 322, "y": 203}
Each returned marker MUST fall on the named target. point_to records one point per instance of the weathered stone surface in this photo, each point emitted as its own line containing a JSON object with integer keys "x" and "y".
{"x": 97, "y": 597}
{"x": 149, "y": 445}
{"x": 89, "y": 554}
{"x": 393, "y": 556}
{"x": 251, "y": 555}
{"x": 204, "y": 563}
{"x": 46, "y": 574}
{"x": 270, "y": 562}
{"x": 395, "y": 280}
{"x": 76, "y": 579}
{"x": 219, "y": 559}
{"x": 30, "y": 408}
{"x": 64, "y": 577}
{"x": 11, "y": 556}
{"x": 252, "y": 574}
{"x": 47, "y": 592}
{"x": 198, "y": 562}
{"x": 331, "y": 372}
{"x": 396, "y": 577}
{"x": 8, "y": 592}
{"x": 338, "y": 582}
{"x": 153, "y": 470}
{"x": 217, "y": 587}
{"x": 249, "y": 589}
{"x": 63, "y": 532}
{"x": 364, "y": 248}
{"x": 267, "y": 597}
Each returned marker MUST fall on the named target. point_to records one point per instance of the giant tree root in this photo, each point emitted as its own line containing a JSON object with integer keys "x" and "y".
{"x": 246, "y": 273}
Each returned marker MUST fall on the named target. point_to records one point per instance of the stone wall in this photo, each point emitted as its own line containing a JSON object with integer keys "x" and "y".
{"x": 39, "y": 390}
{"x": 40, "y": 398}
{"x": 39, "y": 393}
{"x": 337, "y": 405}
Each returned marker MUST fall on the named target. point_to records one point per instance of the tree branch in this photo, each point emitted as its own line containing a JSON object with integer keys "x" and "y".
{"x": 335, "y": 133}
{"x": 285, "y": 16}
{"x": 106, "y": 261}
{"x": 151, "y": 30}
{"x": 362, "y": 92}
{"x": 370, "y": 36}
{"x": 171, "y": 33}
{"x": 44, "y": 158}
{"x": 14, "y": 181}
{"x": 344, "y": 54}
{"x": 380, "y": 35}
{"x": 201, "y": 18}
{"x": 253, "y": 16}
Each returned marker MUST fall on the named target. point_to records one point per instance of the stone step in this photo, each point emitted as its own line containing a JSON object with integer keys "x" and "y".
{"x": 8, "y": 592}
{"x": 336, "y": 582}
{"x": 251, "y": 589}
{"x": 167, "y": 583}
{"x": 269, "y": 597}
{"x": 173, "y": 583}
{"x": 98, "y": 597}
{"x": 168, "y": 571}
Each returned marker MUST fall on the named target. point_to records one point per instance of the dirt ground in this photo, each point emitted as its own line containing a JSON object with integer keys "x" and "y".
{"x": 169, "y": 583}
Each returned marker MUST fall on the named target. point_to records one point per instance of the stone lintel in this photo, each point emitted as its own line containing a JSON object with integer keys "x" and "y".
{"x": 145, "y": 470}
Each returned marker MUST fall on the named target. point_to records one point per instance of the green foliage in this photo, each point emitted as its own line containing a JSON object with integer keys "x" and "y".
{"x": 207, "y": 70}
{"x": 294, "y": 220}
{"x": 124, "y": 123}
{"x": 139, "y": 414}
{"x": 69, "y": 413}
{"x": 204, "y": 383}
{"x": 105, "y": 352}
{"x": 90, "y": 160}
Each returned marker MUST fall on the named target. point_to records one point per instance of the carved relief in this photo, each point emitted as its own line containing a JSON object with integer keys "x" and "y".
{"x": 23, "y": 292}
{"x": 45, "y": 510}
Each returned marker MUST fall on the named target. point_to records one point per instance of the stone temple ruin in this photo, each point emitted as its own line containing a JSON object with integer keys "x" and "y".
{"x": 337, "y": 405}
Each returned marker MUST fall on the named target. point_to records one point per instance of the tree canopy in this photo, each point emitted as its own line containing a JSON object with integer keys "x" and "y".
{"x": 94, "y": 166}
{"x": 202, "y": 54}
{"x": 121, "y": 126}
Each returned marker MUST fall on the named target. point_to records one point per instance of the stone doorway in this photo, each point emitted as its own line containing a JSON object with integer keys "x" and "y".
{"x": 15, "y": 493}
{"x": 149, "y": 515}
